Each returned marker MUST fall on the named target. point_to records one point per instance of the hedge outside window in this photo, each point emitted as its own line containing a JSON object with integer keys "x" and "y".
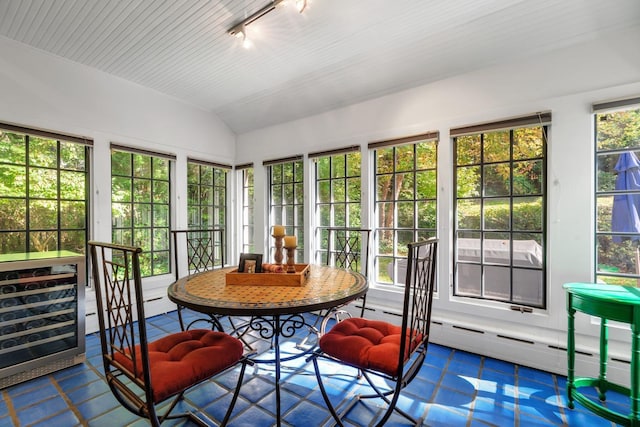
{"x": 500, "y": 214}
{"x": 43, "y": 193}
{"x": 140, "y": 195}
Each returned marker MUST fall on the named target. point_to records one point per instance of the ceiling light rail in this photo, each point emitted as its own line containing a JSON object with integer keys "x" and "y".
{"x": 239, "y": 30}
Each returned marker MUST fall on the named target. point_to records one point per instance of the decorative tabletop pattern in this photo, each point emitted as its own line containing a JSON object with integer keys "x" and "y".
{"x": 326, "y": 287}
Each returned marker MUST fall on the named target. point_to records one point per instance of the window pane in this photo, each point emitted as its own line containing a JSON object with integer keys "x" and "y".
{"x": 120, "y": 163}
{"x": 193, "y": 173}
{"x": 496, "y": 214}
{"x": 73, "y": 241}
{"x": 384, "y": 160}
{"x": 385, "y": 187}
{"x": 142, "y": 190}
{"x": 43, "y": 241}
{"x": 72, "y": 156}
{"x": 404, "y": 182}
{"x": 426, "y": 184}
{"x": 353, "y": 189}
{"x": 339, "y": 191}
{"x": 500, "y": 228}
{"x": 121, "y": 215}
{"x": 496, "y": 180}
{"x": 161, "y": 216}
{"x": 426, "y": 156}
{"x": 469, "y": 214}
{"x": 142, "y": 215}
{"x": 14, "y": 182}
{"x": 338, "y": 166}
{"x": 405, "y": 158}
{"x": 13, "y": 214}
{"x": 527, "y": 143}
{"x": 72, "y": 185}
{"x": 141, "y": 166}
{"x": 12, "y": 148}
{"x": 121, "y": 189}
{"x": 468, "y": 150}
{"x": 527, "y": 177}
{"x": 43, "y": 214}
{"x": 13, "y": 242}
{"x": 528, "y": 214}
{"x": 140, "y": 207}
{"x": 469, "y": 181}
{"x": 405, "y": 215}
{"x": 286, "y": 198}
{"x": 323, "y": 191}
{"x": 496, "y": 146}
{"x": 73, "y": 214}
{"x": 617, "y": 232}
{"x": 43, "y": 152}
{"x": 43, "y": 183}
{"x": 427, "y": 215}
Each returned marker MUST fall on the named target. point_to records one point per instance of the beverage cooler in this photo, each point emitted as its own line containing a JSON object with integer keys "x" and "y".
{"x": 41, "y": 314}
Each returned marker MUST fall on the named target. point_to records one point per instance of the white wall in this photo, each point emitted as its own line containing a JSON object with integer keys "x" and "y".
{"x": 44, "y": 91}
{"x": 566, "y": 83}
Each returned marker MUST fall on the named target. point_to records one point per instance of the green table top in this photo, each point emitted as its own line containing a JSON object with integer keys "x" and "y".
{"x": 29, "y": 256}
{"x": 628, "y": 295}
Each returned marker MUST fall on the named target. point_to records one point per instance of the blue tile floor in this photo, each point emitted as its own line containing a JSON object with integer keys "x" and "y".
{"x": 453, "y": 388}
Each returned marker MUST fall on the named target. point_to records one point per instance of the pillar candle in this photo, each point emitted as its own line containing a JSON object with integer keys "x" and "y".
{"x": 290, "y": 241}
{"x": 278, "y": 230}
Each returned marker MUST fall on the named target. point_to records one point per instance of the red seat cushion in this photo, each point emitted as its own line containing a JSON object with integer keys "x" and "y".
{"x": 185, "y": 358}
{"x": 367, "y": 344}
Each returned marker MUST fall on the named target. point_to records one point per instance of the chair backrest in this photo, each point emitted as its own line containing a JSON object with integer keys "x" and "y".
{"x": 418, "y": 298}
{"x": 118, "y": 287}
{"x": 203, "y": 248}
{"x": 348, "y": 248}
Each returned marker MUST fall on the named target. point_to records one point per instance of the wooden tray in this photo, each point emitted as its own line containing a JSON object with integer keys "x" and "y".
{"x": 299, "y": 278}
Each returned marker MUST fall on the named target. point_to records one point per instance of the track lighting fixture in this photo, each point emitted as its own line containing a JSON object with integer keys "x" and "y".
{"x": 239, "y": 30}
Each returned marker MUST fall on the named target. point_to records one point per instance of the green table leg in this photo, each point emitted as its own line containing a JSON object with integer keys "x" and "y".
{"x": 635, "y": 381}
{"x": 604, "y": 349}
{"x": 571, "y": 355}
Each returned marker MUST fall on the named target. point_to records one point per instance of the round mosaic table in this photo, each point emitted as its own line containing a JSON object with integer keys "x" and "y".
{"x": 275, "y": 311}
{"x": 326, "y": 287}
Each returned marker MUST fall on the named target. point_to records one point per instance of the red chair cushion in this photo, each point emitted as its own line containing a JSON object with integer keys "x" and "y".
{"x": 183, "y": 359}
{"x": 367, "y": 344}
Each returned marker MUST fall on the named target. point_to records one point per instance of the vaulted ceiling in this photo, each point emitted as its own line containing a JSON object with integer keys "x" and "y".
{"x": 336, "y": 53}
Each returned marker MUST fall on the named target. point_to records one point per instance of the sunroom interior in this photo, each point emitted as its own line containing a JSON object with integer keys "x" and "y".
{"x": 494, "y": 126}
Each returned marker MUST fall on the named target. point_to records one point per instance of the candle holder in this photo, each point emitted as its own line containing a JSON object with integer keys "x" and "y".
{"x": 291, "y": 259}
{"x": 277, "y": 257}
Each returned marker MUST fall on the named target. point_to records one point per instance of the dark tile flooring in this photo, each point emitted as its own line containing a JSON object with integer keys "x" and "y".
{"x": 453, "y": 388}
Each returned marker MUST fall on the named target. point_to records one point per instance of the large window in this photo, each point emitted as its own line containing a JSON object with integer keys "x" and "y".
{"x": 405, "y": 200}
{"x": 140, "y": 195}
{"x": 500, "y": 205}
{"x": 248, "y": 200}
{"x": 43, "y": 191}
{"x": 207, "y": 205}
{"x": 338, "y": 194}
{"x": 286, "y": 200}
{"x": 207, "y": 189}
{"x": 617, "y": 193}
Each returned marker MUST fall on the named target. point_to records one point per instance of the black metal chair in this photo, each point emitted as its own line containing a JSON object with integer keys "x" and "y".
{"x": 204, "y": 251}
{"x": 348, "y": 248}
{"x": 380, "y": 349}
{"x": 146, "y": 377}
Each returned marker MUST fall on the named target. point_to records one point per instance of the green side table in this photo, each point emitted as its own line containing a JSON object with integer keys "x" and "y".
{"x": 608, "y": 302}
